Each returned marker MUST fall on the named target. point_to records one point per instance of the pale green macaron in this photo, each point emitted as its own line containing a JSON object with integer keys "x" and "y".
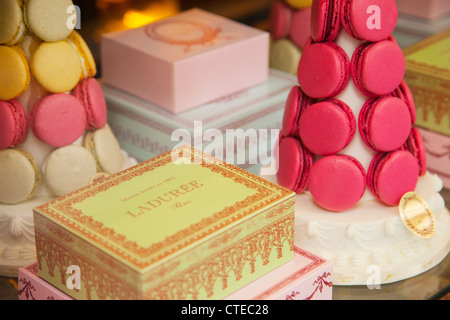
{"x": 12, "y": 25}
{"x": 20, "y": 176}
{"x": 50, "y": 20}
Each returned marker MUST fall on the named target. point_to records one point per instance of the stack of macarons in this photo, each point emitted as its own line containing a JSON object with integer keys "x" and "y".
{"x": 323, "y": 126}
{"x": 289, "y": 25}
{"x": 53, "y": 118}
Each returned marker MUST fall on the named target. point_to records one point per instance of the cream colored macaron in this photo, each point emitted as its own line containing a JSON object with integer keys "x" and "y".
{"x": 285, "y": 56}
{"x": 50, "y": 20}
{"x": 56, "y": 66}
{"x": 105, "y": 148}
{"x": 20, "y": 176}
{"x": 12, "y": 26}
{"x": 68, "y": 169}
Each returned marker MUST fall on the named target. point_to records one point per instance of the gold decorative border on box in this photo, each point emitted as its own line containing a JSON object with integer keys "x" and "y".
{"x": 424, "y": 68}
{"x": 108, "y": 239}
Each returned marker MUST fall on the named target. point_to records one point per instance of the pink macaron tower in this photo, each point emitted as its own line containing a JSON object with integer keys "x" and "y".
{"x": 348, "y": 127}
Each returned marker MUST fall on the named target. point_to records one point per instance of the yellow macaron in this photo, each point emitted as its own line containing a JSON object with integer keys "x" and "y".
{"x": 299, "y": 4}
{"x": 14, "y": 72}
{"x": 87, "y": 59}
{"x": 56, "y": 66}
{"x": 12, "y": 25}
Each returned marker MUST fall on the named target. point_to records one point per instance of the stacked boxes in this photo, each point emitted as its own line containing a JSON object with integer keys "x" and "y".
{"x": 428, "y": 76}
{"x": 183, "y": 224}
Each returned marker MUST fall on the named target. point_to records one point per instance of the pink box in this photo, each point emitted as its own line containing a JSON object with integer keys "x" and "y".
{"x": 307, "y": 277}
{"x": 186, "y": 60}
{"x": 31, "y": 287}
{"x": 437, "y": 147}
{"x": 427, "y": 9}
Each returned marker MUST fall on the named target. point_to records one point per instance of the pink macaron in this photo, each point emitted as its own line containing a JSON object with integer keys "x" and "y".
{"x": 372, "y": 20}
{"x": 296, "y": 103}
{"x": 58, "y": 119}
{"x": 294, "y": 164}
{"x": 279, "y": 20}
{"x": 90, "y": 93}
{"x": 323, "y": 70}
{"x": 325, "y": 20}
{"x": 384, "y": 123}
{"x": 13, "y": 124}
{"x": 416, "y": 146}
{"x": 337, "y": 182}
{"x": 299, "y": 31}
{"x": 327, "y": 127}
{"x": 378, "y": 68}
{"x": 404, "y": 92}
{"x": 391, "y": 175}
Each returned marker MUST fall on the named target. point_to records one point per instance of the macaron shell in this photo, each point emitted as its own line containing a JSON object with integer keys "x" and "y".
{"x": 49, "y": 19}
{"x": 296, "y": 102}
{"x": 90, "y": 94}
{"x": 20, "y": 176}
{"x": 325, "y": 21}
{"x": 105, "y": 148}
{"x": 337, "y": 182}
{"x": 14, "y": 72}
{"x": 404, "y": 92}
{"x": 11, "y": 20}
{"x": 58, "y": 119}
{"x": 285, "y": 56}
{"x": 391, "y": 175}
{"x": 13, "y": 120}
{"x": 385, "y": 124}
{"x": 300, "y": 27}
{"x": 416, "y": 146}
{"x": 68, "y": 169}
{"x": 279, "y": 20}
{"x": 372, "y": 21}
{"x": 56, "y": 66}
{"x": 324, "y": 70}
{"x": 327, "y": 127}
{"x": 294, "y": 165}
{"x": 378, "y": 68}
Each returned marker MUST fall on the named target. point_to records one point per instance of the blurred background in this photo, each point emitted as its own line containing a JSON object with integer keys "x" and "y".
{"x": 101, "y": 16}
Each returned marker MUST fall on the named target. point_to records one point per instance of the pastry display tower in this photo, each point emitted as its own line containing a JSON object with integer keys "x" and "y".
{"x": 350, "y": 150}
{"x": 52, "y": 108}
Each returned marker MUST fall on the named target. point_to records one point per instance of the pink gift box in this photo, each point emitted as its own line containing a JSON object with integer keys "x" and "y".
{"x": 437, "y": 147}
{"x": 31, "y": 287}
{"x": 427, "y": 9}
{"x": 186, "y": 60}
{"x": 306, "y": 277}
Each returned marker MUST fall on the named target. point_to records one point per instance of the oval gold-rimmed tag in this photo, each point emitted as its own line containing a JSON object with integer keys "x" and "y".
{"x": 98, "y": 177}
{"x": 417, "y": 216}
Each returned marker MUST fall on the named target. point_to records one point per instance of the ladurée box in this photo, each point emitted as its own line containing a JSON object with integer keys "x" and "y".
{"x": 186, "y": 60}
{"x": 183, "y": 225}
{"x": 428, "y": 76}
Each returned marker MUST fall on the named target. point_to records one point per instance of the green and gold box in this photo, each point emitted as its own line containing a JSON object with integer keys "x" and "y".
{"x": 428, "y": 76}
{"x": 183, "y": 225}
